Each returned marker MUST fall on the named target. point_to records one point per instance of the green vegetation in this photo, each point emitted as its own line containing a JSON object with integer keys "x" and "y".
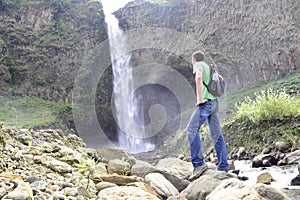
{"x": 87, "y": 168}
{"x": 268, "y": 105}
{"x": 265, "y": 113}
{"x": 30, "y": 112}
{"x": 290, "y": 83}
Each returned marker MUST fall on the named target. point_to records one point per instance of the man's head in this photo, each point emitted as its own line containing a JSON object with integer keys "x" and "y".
{"x": 197, "y": 56}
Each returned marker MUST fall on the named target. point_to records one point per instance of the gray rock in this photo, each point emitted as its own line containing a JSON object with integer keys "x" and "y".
{"x": 39, "y": 185}
{"x": 264, "y": 160}
{"x": 296, "y": 180}
{"x": 119, "y": 167}
{"x": 175, "y": 166}
{"x": 58, "y": 166}
{"x": 163, "y": 187}
{"x": 241, "y": 152}
{"x": 142, "y": 168}
{"x": 21, "y": 192}
{"x": 125, "y": 193}
{"x": 268, "y": 192}
{"x": 103, "y": 185}
{"x": 115, "y": 153}
{"x": 265, "y": 178}
{"x": 283, "y": 146}
{"x": 292, "y": 158}
{"x": 205, "y": 184}
{"x": 233, "y": 189}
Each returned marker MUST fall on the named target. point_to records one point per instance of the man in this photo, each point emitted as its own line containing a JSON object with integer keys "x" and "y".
{"x": 207, "y": 109}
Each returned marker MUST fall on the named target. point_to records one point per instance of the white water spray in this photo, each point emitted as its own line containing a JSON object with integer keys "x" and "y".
{"x": 131, "y": 136}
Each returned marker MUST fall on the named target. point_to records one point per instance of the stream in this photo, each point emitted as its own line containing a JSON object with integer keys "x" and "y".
{"x": 282, "y": 176}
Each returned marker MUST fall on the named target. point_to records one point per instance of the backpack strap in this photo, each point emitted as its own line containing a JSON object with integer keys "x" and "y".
{"x": 210, "y": 71}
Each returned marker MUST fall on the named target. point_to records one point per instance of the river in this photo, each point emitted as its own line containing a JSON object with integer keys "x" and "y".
{"x": 282, "y": 176}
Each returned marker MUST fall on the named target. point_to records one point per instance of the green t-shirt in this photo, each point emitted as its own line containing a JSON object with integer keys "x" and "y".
{"x": 205, "y": 77}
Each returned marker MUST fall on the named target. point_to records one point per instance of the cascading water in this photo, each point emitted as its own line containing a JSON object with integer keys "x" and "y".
{"x": 130, "y": 135}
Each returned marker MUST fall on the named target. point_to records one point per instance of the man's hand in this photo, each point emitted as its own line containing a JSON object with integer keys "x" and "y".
{"x": 200, "y": 102}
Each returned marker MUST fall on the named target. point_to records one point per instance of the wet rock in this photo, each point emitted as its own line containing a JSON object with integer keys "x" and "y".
{"x": 268, "y": 149}
{"x": 241, "y": 152}
{"x": 296, "y": 180}
{"x": 283, "y": 146}
{"x": 264, "y": 160}
{"x": 265, "y": 178}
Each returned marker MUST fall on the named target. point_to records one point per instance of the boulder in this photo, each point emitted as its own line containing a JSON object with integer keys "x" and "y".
{"x": 265, "y": 178}
{"x": 163, "y": 187}
{"x": 296, "y": 180}
{"x": 233, "y": 189}
{"x": 283, "y": 146}
{"x": 115, "y": 153}
{"x": 58, "y": 166}
{"x": 264, "y": 160}
{"x": 145, "y": 187}
{"x": 103, "y": 185}
{"x": 21, "y": 192}
{"x": 142, "y": 168}
{"x": 118, "y": 179}
{"x": 292, "y": 158}
{"x": 119, "y": 167}
{"x": 124, "y": 193}
{"x": 268, "y": 192}
{"x": 205, "y": 184}
{"x": 181, "y": 169}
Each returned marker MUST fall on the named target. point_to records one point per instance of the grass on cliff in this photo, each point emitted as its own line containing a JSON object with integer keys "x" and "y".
{"x": 30, "y": 112}
{"x": 263, "y": 114}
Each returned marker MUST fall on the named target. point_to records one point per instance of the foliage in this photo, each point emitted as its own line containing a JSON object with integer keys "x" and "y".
{"x": 29, "y": 112}
{"x": 268, "y": 105}
{"x": 291, "y": 83}
{"x": 87, "y": 167}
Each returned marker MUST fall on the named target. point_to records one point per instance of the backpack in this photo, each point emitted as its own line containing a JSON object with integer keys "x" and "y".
{"x": 216, "y": 84}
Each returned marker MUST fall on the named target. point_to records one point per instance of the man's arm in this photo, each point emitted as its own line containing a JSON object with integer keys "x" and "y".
{"x": 199, "y": 87}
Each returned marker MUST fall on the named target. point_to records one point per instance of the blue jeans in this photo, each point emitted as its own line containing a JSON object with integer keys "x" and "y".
{"x": 207, "y": 111}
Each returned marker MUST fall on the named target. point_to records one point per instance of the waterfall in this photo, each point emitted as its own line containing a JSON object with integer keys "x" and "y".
{"x": 131, "y": 135}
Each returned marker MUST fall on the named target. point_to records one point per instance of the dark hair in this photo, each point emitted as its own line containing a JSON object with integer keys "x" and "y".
{"x": 199, "y": 56}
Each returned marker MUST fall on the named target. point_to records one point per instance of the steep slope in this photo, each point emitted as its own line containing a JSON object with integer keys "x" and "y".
{"x": 43, "y": 43}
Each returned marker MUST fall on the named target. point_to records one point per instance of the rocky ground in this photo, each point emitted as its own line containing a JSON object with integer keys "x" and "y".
{"x": 46, "y": 164}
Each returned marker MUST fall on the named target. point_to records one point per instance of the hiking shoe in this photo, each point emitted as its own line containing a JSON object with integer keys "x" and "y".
{"x": 197, "y": 172}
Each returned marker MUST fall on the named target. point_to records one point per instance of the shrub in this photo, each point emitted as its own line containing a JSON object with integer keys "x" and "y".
{"x": 268, "y": 105}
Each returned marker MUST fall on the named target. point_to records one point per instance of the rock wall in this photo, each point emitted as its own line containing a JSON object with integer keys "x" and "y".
{"x": 248, "y": 40}
{"x": 43, "y": 44}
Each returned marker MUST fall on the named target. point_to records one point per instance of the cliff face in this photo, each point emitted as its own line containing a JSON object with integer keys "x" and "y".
{"x": 248, "y": 40}
{"x": 43, "y": 43}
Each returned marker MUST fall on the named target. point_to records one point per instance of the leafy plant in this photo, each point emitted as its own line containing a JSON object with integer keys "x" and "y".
{"x": 268, "y": 105}
{"x": 87, "y": 168}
